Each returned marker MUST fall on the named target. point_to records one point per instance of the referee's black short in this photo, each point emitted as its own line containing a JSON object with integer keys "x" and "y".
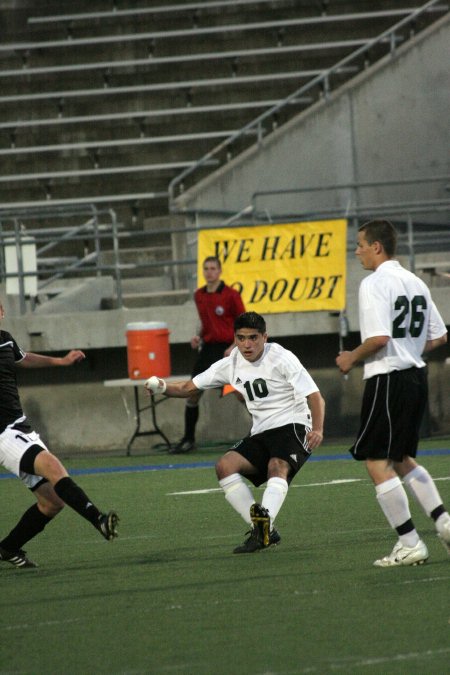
{"x": 209, "y": 354}
{"x": 287, "y": 442}
{"x": 392, "y": 409}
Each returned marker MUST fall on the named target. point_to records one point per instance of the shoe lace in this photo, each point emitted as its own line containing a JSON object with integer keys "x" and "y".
{"x": 251, "y": 534}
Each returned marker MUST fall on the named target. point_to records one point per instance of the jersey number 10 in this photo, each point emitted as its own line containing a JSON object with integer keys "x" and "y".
{"x": 256, "y": 388}
{"x": 415, "y": 308}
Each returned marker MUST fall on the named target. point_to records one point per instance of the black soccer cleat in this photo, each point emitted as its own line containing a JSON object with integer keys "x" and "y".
{"x": 253, "y": 543}
{"x": 261, "y": 522}
{"x": 274, "y": 538}
{"x": 184, "y": 446}
{"x": 16, "y": 558}
{"x": 107, "y": 525}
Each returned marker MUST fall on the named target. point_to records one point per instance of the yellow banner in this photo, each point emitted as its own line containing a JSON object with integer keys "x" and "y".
{"x": 297, "y": 267}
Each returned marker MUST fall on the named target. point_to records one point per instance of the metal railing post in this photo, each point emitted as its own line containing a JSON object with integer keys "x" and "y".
{"x": 410, "y": 233}
{"x": 116, "y": 253}
{"x": 20, "y": 270}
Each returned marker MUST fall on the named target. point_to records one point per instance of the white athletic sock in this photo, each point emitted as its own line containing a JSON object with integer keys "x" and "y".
{"x": 393, "y": 501}
{"x": 274, "y": 496}
{"x": 238, "y": 494}
{"x": 423, "y": 489}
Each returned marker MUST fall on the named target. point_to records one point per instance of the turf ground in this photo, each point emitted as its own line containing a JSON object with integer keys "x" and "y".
{"x": 169, "y": 597}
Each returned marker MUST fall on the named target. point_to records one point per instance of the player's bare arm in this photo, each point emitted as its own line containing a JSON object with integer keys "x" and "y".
{"x": 346, "y": 360}
{"x": 316, "y": 404}
{"x": 182, "y": 389}
{"x": 434, "y": 344}
{"x": 32, "y": 360}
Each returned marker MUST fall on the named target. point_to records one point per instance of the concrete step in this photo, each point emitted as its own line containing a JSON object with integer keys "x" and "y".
{"x": 152, "y": 299}
{"x": 140, "y": 262}
{"x": 147, "y": 284}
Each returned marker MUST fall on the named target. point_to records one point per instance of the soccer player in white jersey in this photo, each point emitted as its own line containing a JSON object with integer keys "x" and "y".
{"x": 287, "y": 410}
{"x": 398, "y": 323}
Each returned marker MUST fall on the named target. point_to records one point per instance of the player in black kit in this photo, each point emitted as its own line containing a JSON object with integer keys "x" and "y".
{"x": 24, "y": 454}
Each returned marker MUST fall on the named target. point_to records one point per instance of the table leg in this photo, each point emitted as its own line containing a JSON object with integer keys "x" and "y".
{"x": 137, "y": 431}
{"x": 155, "y": 424}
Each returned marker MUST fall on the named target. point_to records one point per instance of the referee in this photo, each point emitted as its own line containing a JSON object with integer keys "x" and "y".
{"x": 218, "y": 305}
{"x": 398, "y": 323}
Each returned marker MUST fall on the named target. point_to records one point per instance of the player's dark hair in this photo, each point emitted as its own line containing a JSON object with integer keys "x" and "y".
{"x": 382, "y": 231}
{"x": 214, "y": 259}
{"x": 250, "y": 320}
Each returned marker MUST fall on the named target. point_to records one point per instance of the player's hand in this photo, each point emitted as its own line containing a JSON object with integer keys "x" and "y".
{"x": 314, "y": 439}
{"x": 195, "y": 341}
{"x": 344, "y": 362}
{"x": 155, "y": 385}
{"x": 74, "y": 356}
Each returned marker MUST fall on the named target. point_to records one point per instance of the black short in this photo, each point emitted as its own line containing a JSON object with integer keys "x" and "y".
{"x": 209, "y": 354}
{"x": 287, "y": 442}
{"x": 391, "y": 414}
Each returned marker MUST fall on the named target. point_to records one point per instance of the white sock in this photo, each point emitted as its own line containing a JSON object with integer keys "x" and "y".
{"x": 442, "y": 521}
{"x": 238, "y": 494}
{"x": 423, "y": 489}
{"x": 393, "y": 501}
{"x": 274, "y": 496}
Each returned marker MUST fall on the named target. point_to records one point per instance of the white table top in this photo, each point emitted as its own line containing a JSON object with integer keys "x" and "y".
{"x": 127, "y": 382}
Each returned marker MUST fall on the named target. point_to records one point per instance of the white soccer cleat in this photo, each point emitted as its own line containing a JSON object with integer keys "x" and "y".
{"x": 444, "y": 535}
{"x": 404, "y": 555}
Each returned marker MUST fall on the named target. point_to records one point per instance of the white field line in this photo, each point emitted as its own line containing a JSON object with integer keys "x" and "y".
{"x": 209, "y": 490}
{"x": 351, "y": 663}
{"x": 416, "y": 581}
{"x": 41, "y": 624}
{"x": 395, "y": 658}
{"x": 339, "y": 481}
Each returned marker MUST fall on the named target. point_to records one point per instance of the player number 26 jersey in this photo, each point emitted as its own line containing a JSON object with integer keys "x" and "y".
{"x": 395, "y": 302}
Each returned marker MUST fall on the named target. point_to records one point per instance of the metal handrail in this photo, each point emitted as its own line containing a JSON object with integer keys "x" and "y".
{"x": 323, "y": 80}
{"x": 52, "y": 237}
{"x": 120, "y": 13}
{"x": 412, "y": 240}
{"x": 350, "y": 185}
{"x": 187, "y": 32}
{"x": 108, "y": 66}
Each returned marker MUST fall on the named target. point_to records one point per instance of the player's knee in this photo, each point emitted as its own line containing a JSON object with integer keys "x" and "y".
{"x": 222, "y": 468}
{"x": 277, "y": 468}
{"x": 49, "y": 466}
{"x": 404, "y": 467}
{"x": 228, "y": 464}
{"x": 219, "y": 468}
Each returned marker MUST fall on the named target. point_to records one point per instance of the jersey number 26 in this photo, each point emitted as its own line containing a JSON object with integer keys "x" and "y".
{"x": 415, "y": 308}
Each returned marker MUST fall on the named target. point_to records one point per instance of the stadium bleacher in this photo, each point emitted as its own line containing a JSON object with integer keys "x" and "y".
{"x": 103, "y": 104}
{"x": 109, "y": 105}
{"x": 88, "y": 64}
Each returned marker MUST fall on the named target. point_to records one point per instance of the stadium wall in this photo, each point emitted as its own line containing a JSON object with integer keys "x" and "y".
{"x": 389, "y": 122}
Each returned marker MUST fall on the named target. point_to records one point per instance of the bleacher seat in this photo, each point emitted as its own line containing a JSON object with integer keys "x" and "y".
{"x": 110, "y": 105}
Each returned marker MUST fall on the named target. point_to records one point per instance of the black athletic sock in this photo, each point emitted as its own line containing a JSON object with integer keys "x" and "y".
{"x": 78, "y": 500}
{"x": 31, "y": 523}
{"x": 406, "y": 527}
{"x": 438, "y": 511}
{"x": 190, "y": 422}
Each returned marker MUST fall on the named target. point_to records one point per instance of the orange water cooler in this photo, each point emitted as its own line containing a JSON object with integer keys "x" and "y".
{"x": 148, "y": 351}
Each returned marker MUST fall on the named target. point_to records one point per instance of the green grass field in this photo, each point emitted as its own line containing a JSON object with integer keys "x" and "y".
{"x": 169, "y": 597}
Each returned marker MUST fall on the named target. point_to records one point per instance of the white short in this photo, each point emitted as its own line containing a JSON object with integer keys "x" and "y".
{"x": 13, "y": 446}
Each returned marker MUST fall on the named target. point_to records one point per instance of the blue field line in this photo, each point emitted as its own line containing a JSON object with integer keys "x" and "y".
{"x": 206, "y": 465}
